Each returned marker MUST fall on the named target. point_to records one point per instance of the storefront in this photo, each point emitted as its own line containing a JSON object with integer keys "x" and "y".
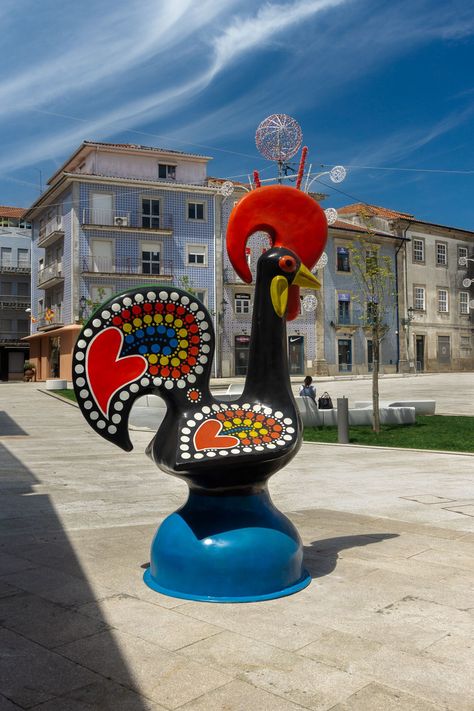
{"x": 51, "y": 352}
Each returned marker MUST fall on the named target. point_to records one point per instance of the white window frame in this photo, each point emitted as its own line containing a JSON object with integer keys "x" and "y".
{"x": 462, "y": 252}
{"x": 420, "y": 242}
{"x": 444, "y": 261}
{"x": 239, "y": 303}
{"x": 464, "y": 303}
{"x": 92, "y": 256}
{"x": 94, "y": 289}
{"x": 151, "y": 247}
{"x": 170, "y": 169}
{"x": 443, "y": 301}
{"x": 151, "y": 215}
{"x": 346, "y": 247}
{"x": 190, "y": 250}
{"x": 201, "y": 294}
{"x": 419, "y": 298}
{"x": 204, "y": 211}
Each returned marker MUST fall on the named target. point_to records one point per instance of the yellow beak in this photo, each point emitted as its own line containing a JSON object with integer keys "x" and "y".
{"x": 279, "y": 288}
{"x": 305, "y": 279}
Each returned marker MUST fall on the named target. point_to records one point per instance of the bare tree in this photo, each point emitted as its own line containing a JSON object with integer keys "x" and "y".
{"x": 376, "y": 295}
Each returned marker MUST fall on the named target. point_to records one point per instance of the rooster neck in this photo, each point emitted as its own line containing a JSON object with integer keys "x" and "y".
{"x": 268, "y": 377}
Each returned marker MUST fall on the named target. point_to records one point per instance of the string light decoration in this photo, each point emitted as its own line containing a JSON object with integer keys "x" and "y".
{"x": 227, "y": 188}
{"x": 309, "y": 303}
{"x": 331, "y": 215}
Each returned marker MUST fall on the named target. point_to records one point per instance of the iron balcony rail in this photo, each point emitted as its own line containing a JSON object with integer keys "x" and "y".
{"x": 21, "y": 266}
{"x": 52, "y": 271}
{"x": 8, "y": 301}
{"x": 51, "y": 316}
{"x": 127, "y": 265}
{"x": 119, "y": 219}
{"x": 52, "y": 227}
{"x": 12, "y": 336}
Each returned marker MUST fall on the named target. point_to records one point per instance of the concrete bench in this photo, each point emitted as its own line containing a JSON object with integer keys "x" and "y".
{"x": 422, "y": 407}
{"x": 312, "y": 416}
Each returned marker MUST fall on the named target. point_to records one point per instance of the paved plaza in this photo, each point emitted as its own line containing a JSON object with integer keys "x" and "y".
{"x": 387, "y": 623}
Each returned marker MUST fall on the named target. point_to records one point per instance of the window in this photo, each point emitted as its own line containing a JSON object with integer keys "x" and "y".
{"x": 6, "y": 288}
{"x": 23, "y": 289}
{"x": 418, "y": 250}
{"x": 23, "y": 326}
{"x": 197, "y": 255}
{"x": 343, "y": 308}
{"x": 23, "y": 258}
{"x": 242, "y": 303}
{"x": 443, "y": 300}
{"x": 463, "y": 302}
{"x": 370, "y": 259}
{"x": 6, "y": 324}
{"x": 6, "y": 256}
{"x": 166, "y": 172}
{"x": 466, "y": 342}
{"x": 419, "y": 298}
{"x": 151, "y": 213}
{"x": 99, "y": 294}
{"x": 195, "y": 211}
{"x": 150, "y": 258}
{"x": 372, "y": 312}
{"x": 201, "y": 294}
{"x": 441, "y": 254}
{"x": 462, "y": 255}
{"x": 342, "y": 259}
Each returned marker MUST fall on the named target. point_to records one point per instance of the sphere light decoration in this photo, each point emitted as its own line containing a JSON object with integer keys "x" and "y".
{"x": 467, "y": 283}
{"x": 309, "y": 303}
{"x": 227, "y": 188}
{"x": 322, "y": 261}
{"x": 331, "y": 215}
{"x": 337, "y": 174}
{"x": 278, "y": 137}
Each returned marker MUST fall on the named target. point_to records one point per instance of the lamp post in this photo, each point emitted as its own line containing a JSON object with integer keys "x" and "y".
{"x": 406, "y": 325}
{"x": 82, "y": 307}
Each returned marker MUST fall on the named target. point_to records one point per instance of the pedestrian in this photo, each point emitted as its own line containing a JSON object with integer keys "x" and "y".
{"x": 308, "y": 390}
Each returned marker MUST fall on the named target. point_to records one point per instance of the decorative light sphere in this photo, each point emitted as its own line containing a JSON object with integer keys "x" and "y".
{"x": 278, "y": 137}
{"x": 322, "y": 261}
{"x": 331, "y": 215}
{"x": 227, "y": 188}
{"x": 309, "y": 303}
{"x": 338, "y": 173}
{"x": 466, "y": 283}
{"x": 462, "y": 261}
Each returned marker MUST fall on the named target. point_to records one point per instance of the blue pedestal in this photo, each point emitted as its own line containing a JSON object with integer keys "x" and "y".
{"x": 227, "y": 549}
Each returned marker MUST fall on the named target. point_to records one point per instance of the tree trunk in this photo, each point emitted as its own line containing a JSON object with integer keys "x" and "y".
{"x": 375, "y": 383}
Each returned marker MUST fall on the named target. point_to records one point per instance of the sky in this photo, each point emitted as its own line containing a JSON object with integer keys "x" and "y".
{"x": 384, "y": 88}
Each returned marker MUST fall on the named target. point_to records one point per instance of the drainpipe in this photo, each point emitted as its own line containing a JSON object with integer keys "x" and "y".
{"x": 402, "y": 243}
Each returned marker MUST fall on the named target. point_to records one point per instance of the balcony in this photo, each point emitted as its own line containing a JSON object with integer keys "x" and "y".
{"x": 13, "y": 337}
{"x": 8, "y": 301}
{"x": 51, "y": 317}
{"x": 52, "y": 231}
{"x": 127, "y": 267}
{"x": 51, "y": 275}
{"x": 118, "y": 220}
{"x": 9, "y": 266}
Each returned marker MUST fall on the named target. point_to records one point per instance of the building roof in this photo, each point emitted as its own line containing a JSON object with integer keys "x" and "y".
{"x": 351, "y": 227}
{"x": 374, "y": 210}
{"x": 140, "y": 147}
{"x": 6, "y": 211}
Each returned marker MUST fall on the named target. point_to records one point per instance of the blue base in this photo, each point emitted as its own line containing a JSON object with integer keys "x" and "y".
{"x": 227, "y": 549}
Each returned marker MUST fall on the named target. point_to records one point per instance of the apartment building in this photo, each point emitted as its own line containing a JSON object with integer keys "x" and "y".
{"x": 434, "y": 270}
{"x": 15, "y": 247}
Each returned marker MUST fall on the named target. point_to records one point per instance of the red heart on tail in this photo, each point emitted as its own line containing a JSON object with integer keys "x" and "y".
{"x": 106, "y": 372}
{"x": 208, "y": 436}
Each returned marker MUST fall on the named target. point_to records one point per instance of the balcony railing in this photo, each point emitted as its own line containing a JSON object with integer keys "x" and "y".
{"x": 119, "y": 219}
{"x": 51, "y": 231}
{"x": 9, "y": 266}
{"x": 50, "y": 273}
{"x": 51, "y": 316}
{"x": 12, "y": 336}
{"x": 8, "y": 301}
{"x": 126, "y": 266}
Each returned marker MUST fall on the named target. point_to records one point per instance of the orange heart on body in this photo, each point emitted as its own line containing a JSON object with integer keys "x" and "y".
{"x": 208, "y": 437}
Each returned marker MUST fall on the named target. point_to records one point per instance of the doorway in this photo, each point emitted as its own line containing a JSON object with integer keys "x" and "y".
{"x": 420, "y": 353}
{"x": 102, "y": 208}
{"x": 344, "y": 351}
{"x": 102, "y": 256}
{"x": 296, "y": 354}
{"x": 241, "y": 351}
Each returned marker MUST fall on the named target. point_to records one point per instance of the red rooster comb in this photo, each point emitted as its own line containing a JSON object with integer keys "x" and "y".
{"x": 290, "y": 217}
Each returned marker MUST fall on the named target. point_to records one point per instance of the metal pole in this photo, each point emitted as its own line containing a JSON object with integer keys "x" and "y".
{"x": 343, "y": 420}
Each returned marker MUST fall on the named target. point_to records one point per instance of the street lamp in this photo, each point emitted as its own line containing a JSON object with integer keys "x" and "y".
{"x": 462, "y": 261}
{"x": 410, "y": 317}
{"x": 82, "y": 306}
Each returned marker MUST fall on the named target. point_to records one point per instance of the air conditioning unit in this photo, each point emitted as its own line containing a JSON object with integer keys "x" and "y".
{"x": 120, "y": 221}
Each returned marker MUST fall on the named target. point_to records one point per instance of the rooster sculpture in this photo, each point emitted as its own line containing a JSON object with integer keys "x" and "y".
{"x": 228, "y": 542}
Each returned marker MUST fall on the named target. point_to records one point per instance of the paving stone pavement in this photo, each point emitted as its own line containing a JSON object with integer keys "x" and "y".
{"x": 386, "y": 624}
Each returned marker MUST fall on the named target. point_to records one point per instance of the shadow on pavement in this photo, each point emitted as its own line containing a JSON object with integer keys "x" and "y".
{"x": 9, "y": 427}
{"x": 321, "y": 556}
{"x": 42, "y": 633}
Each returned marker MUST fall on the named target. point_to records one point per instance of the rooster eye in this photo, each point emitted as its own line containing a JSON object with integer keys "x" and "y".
{"x": 287, "y": 263}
